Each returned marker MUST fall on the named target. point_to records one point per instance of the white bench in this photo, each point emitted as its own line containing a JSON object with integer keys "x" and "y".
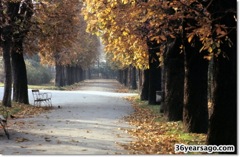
{"x": 40, "y": 98}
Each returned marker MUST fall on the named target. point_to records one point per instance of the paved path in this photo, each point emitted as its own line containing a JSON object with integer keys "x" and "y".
{"x": 88, "y": 122}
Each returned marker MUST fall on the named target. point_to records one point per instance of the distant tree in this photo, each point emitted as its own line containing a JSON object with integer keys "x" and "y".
{"x": 55, "y": 21}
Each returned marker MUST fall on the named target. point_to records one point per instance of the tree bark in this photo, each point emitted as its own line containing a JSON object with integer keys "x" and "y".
{"x": 125, "y": 77}
{"x": 140, "y": 79}
{"x": 20, "y": 12}
{"x": 154, "y": 72}
{"x": 145, "y": 87}
{"x": 133, "y": 84}
{"x": 174, "y": 81}
{"x": 20, "y": 83}
{"x": 195, "y": 111}
{"x": 59, "y": 78}
{"x": 6, "y": 45}
{"x": 223, "y": 122}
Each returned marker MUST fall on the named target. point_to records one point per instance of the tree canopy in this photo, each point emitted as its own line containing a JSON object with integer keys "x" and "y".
{"x": 59, "y": 34}
{"x": 125, "y": 26}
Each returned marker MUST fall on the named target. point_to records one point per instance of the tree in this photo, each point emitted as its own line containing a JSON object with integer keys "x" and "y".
{"x": 223, "y": 122}
{"x": 21, "y": 23}
{"x": 197, "y": 22}
{"x": 174, "y": 80}
{"x": 133, "y": 79}
{"x": 195, "y": 111}
{"x": 6, "y": 43}
{"x": 154, "y": 72}
{"x": 55, "y": 21}
{"x": 144, "y": 91}
{"x": 15, "y": 24}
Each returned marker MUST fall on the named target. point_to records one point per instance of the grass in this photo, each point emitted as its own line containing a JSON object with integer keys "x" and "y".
{"x": 45, "y": 86}
{"x": 154, "y": 134}
{"x": 50, "y": 86}
{"x": 155, "y": 109}
{"x": 19, "y": 110}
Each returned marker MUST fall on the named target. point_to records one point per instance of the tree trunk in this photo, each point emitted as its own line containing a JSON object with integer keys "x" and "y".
{"x": 59, "y": 77}
{"x": 125, "y": 77}
{"x": 6, "y": 45}
{"x": 145, "y": 88}
{"x": 89, "y": 73}
{"x": 154, "y": 72}
{"x": 81, "y": 74}
{"x": 120, "y": 76}
{"x": 195, "y": 111}
{"x": 21, "y": 12}
{"x": 20, "y": 83}
{"x": 174, "y": 81}
{"x": 223, "y": 122}
{"x": 163, "y": 107}
{"x": 75, "y": 73}
{"x": 133, "y": 83}
{"x": 140, "y": 79}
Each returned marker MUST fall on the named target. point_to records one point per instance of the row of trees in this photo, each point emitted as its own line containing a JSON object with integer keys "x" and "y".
{"x": 53, "y": 29}
{"x": 173, "y": 42}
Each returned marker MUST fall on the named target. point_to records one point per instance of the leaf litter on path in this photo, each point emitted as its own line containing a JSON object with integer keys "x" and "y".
{"x": 156, "y": 136}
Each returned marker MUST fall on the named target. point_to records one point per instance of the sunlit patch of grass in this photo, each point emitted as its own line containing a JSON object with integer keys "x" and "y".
{"x": 51, "y": 86}
{"x": 45, "y": 86}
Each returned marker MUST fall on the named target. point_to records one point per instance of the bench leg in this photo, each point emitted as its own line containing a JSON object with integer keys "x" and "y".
{"x": 6, "y": 133}
{"x": 5, "y": 130}
{"x": 37, "y": 103}
{"x": 50, "y": 102}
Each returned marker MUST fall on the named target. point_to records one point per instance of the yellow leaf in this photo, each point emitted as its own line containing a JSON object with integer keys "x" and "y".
{"x": 125, "y": 33}
{"x": 210, "y": 49}
{"x": 163, "y": 37}
{"x": 190, "y": 37}
{"x": 208, "y": 57}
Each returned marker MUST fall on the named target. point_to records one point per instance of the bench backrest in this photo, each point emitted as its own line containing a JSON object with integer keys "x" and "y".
{"x": 35, "y": 93}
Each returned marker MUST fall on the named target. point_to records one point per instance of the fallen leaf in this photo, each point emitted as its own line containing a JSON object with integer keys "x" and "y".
{"x": 19, "y": 139}
{"x": 154, "y": 134}
{"x": 47, "y": 139}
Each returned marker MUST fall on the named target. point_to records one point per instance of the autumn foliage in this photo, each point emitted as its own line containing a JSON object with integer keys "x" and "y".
{"x": 59, "y": 34}
{"x": 124, "y": 26}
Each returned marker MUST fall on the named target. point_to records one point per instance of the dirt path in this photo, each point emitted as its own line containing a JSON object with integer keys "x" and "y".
{"x": 87, "y": 122}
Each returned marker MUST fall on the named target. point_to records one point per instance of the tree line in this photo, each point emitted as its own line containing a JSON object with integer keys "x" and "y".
{"x": 55, "y": 30}
{"x": 174, "y": 45}
{"x": 185, "y": 49}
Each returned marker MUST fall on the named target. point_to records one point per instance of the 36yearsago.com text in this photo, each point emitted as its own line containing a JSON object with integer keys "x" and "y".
{"x": 203, "y": 148}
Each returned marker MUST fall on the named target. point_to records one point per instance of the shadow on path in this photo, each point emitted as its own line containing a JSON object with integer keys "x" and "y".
{"x": 89, "y": 121}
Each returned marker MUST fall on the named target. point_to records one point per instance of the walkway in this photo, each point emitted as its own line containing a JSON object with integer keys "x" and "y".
{"x": 89, "y": 121}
